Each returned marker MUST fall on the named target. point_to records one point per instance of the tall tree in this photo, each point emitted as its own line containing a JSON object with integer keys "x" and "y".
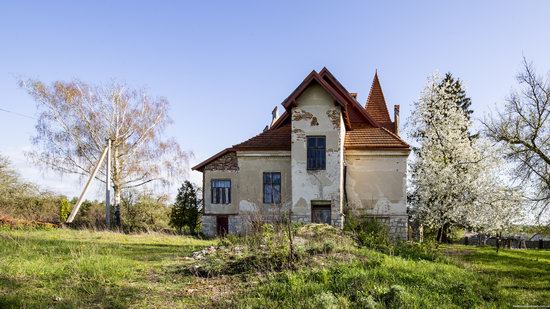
{"x": 523, "y": 130}
{"x": 186, "y": 209}
{"x": 443, "y": 172}
{"x": 76, "y": 118}
{"x": 497, "y": 205}
{"x": 453, "y": 88}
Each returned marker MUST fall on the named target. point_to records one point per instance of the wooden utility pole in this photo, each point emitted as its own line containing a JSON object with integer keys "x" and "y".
{"x": 87, "y": 186}
{"x": 108, "y": 186}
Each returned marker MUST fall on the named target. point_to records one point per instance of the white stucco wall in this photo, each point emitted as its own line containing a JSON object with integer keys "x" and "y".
{"x": 252, "y": 165}
{"x": 376, "y": 184}
{"x": 316, "y": 115}
{"x": 221, "y": 209}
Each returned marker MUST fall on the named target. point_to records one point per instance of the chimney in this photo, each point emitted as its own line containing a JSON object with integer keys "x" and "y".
{"x": 274, "y": 116}
{"x": 396, "y": 119}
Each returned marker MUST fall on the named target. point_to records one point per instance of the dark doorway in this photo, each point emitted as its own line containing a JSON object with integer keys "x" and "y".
{"x": 320, "y": 213}
{"x": 222, "y": 225}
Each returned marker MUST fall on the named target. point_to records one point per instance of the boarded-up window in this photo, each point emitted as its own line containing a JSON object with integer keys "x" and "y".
{"x": 272, "y": 187}
{"x": 316, "y": 152}
{"x": 221, "y": 191}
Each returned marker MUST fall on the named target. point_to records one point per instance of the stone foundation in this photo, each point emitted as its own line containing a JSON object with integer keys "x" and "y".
{"x": 398, "y": 227}
{"x": 239, "y": 224}
{"x": 209, "y": 225}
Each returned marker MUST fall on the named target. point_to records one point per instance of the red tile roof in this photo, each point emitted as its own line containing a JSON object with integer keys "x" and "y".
{"x": 366, "y": 128}
{"x": 272, "y": 139}
{"x": 372, "y": 138}
{"x": 376, "y": 104}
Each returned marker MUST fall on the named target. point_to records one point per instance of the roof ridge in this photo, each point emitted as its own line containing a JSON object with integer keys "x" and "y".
{"x": 326, "y": 72}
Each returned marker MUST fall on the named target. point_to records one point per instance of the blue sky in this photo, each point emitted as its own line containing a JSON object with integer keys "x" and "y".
{"x": 224, "y": 65}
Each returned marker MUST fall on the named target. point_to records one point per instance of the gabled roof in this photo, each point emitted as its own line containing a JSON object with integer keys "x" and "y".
{"x": 353, "y": 105}
{"x": 376, "y": 104}
{"x": 314, "y": 77}
{"x": 271, "y": 140}
{"x": 366, "y": 128}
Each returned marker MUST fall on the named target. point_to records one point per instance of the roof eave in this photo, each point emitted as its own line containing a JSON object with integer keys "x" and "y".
{"x": 200, "y": 167}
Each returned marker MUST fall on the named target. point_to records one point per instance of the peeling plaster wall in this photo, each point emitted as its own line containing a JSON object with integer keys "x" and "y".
{"x": 225, "y": 167}
{"x": 251, "y": 169}
{"x": 316, "y": 115}
{"x": 376, "y": 186}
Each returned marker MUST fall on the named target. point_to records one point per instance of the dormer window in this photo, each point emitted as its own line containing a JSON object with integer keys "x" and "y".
{"x": 316, "y": 152}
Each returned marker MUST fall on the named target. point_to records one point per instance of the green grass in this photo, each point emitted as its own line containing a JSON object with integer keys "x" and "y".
{"x": 69, "y": 269}
{"x": 63, "y": 268}
{"x": 521, "y": 276}
{"x": 420, "y": 283}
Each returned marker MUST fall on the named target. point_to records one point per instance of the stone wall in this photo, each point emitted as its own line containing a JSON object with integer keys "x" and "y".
{"x": 209, "y": 227}
{"x": 398, "y": 227}
{"x": 227, "y": 162}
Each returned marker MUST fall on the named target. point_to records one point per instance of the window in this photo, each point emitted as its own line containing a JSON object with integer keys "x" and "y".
{"x": 221, "y": 191}
{"x": 272, "y": 188}
{"x": 316, "y": 152}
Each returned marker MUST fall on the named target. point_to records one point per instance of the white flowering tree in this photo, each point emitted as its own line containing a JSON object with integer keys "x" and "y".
{"x": 497, "y": 205}
{"x": 455, "y": 178}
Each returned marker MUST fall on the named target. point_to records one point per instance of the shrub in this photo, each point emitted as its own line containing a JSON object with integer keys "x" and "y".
{"x": 418, "y": 251}
{"x": 369, "y": 233}
{"x": 64, "y": 209}
{"x": 143, "y": 212}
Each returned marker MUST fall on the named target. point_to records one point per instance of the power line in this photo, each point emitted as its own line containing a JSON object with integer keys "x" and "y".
{"x": 16, "y": 113}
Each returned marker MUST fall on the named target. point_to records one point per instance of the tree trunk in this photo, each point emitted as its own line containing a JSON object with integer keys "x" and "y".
{"x": 440, "y": 235}
{"x": 499, "y": 241}
{"x": 117, "y": 208}
{"x": 116, "y": 185}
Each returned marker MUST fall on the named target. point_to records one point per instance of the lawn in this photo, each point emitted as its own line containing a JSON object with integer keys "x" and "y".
{"x": 522, "y": 276}
{"x": 73, "y": 269}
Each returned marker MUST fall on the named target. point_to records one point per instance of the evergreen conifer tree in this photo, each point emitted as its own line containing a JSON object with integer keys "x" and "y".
{"x": 186, "y": 209}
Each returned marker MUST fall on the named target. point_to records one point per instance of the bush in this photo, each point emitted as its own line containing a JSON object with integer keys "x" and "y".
{"x": 370, "y": 233}
{"x": 64, "y": 209}
{"x": 418, "y": 251}
{"x": 144, "y": 213}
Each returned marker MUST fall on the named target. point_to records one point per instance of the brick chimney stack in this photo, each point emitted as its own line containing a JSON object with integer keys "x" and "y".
{"x": 274, "y": 116}
{"x": 396, "y": 118}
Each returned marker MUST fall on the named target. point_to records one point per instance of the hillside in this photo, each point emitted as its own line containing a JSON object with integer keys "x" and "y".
{"x": 68, "y": 269}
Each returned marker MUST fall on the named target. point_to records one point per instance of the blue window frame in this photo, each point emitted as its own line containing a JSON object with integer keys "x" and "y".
{"x": 221, "y": 191}
{"x": 272, "y": 187}
{"x": 316, "y": 152}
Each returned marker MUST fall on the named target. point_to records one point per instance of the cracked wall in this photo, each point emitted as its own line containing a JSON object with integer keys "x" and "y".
{"x": 251, "y": 169}
{"x": 376, "y": 186}
{"x": 316, "y": 104}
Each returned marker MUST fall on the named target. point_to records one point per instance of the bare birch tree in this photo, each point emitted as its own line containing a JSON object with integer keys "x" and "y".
{"x": 523, "y": 131}
{"x": 76, "y": 118}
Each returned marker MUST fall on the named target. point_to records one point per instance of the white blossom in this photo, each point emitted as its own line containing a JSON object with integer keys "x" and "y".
{"x": 453, "y": 181}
